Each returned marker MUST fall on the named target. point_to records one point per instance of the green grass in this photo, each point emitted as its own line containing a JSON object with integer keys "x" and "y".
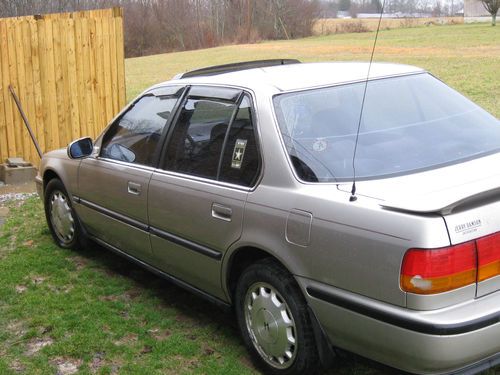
{"x": 467, "y": 57}
{"x": 98, "y": 311}
{"x": 101, "y": 314}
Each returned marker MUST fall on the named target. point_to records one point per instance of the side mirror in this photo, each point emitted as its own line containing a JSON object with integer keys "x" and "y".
{"x": 80, "y": 148}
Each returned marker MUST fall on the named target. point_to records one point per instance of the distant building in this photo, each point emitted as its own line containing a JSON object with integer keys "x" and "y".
{"x": 474, "y": 11}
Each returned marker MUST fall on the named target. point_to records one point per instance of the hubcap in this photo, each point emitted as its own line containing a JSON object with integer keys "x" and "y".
{"x": 61, "y": 217}
{"x": 270, "y": 325}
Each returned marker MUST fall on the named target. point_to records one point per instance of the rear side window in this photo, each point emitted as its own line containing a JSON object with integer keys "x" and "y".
{"x": 198, "y": 137}
{"x": 214, "y": 138}
{"x": 240, "y": 160}
{"x": 133, "y": 138}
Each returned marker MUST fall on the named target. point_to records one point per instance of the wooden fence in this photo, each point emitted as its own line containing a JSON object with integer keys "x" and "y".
{"x": 69, "y": 73}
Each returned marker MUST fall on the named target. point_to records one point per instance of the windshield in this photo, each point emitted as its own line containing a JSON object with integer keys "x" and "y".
{"x": 409, "y": 123}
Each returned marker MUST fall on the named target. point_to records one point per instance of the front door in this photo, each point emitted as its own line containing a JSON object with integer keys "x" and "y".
{"x": 113, "y": 185}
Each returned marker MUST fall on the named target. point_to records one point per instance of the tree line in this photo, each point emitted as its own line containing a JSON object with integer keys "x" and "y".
{"x": 158, "y": 26}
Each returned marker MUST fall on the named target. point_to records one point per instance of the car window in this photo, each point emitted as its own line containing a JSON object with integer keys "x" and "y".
{"x": 134, "y": 136}
{"x": 409, "y": 123}
{"x": 196, "y": 142}
{"x": 240, "y": 159}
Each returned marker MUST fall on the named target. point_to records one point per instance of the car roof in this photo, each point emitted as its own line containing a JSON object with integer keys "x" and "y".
{"x": 302, "y": 75}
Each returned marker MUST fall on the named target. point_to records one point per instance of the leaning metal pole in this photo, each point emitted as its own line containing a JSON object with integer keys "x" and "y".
{"x": 26, "y": 122}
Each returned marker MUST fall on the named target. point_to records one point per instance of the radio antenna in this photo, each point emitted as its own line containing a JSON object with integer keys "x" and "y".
{"x": 353, "y": 197}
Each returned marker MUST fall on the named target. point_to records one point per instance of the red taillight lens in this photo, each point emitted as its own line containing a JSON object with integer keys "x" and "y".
{"x": 429, "y": 271}
{"x": 488, "y": 250}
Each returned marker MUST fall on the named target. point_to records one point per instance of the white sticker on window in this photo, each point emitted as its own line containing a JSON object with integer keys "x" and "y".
{"x": 238, "y": 153}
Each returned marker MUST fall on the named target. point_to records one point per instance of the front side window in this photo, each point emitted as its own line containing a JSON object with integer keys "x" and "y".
{"x": 409, "y": 123}
{"x": 133, "y": 138}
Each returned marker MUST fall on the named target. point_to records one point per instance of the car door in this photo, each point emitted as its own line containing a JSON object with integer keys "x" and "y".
{"x": 113, "y": 186}
{"x": 197, "y": 196}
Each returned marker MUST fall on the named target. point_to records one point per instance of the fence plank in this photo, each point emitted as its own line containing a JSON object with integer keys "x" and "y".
{"x": 37, "y": 84}
{"x": 13, "y": 76}
{"x": 72, "y": 79}
{"x": 3, "y": 125}
{"x": 120, "y": 61}
{"x": 28, "y": 101}
{"x": 99, "y": 46}
{"x": 107, "y": 70}
{"x": 87, "y": 89}
{"x": 24, "y": 142}
{"x": 4, "y": 47}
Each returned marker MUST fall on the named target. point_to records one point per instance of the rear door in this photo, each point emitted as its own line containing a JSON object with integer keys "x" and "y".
{"x": 197, "y": 196}
{"x": 113, "y": 187}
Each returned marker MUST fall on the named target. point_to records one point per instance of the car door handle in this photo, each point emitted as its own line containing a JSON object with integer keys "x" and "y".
{"x": 134, "y": 188}
{"x": 221, "y": 212}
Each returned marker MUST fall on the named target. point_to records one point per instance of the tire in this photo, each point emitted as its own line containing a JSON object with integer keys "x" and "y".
{"x": 279, "y": 334}
{"x": 62, "y": 219}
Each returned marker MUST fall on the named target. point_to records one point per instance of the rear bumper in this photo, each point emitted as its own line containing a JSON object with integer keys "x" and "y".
{"x": 462, "y": 338}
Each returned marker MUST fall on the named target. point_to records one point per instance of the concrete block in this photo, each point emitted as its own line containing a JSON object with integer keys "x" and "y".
{"x": 17, "y": 175}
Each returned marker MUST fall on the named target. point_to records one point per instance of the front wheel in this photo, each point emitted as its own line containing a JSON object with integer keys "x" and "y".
{"x": 274, "y": 321}
{"x": 61, "y": 217}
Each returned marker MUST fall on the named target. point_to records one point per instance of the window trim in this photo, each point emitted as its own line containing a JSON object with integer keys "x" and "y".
{"x": 156, "y": 154}
{"x": 242, "y": 92}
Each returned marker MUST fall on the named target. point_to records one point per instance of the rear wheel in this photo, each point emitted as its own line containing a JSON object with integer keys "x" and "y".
{"x": 61, "y": 217}
{"x": 274, "y": 321}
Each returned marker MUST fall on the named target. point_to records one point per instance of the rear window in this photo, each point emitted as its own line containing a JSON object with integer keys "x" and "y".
{"x": 409, "y": 124}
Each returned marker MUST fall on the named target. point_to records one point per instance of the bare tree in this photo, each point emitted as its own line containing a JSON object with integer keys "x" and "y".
{"x": 492, "y": 7}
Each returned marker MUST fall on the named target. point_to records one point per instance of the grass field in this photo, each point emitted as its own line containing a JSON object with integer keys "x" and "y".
{"x": 467, "y": 57}
{"x": 328, "y": 26}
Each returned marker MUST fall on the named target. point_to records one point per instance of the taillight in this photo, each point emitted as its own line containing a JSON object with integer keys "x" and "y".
{"x": 488, "y": 250}
{"x": 429, "y": 271}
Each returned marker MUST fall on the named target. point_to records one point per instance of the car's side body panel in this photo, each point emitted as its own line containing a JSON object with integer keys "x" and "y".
{"x": 113, "y": 204}
{"x": 66, "y": 169}
{"x": 208, "y": 214}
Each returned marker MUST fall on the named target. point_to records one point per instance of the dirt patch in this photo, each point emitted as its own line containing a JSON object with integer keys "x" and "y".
{"x": 79, "y": 262}
{"x": 28, "y": 243}
{"x": 34, "y": 346}
{"x": 146, "y": 349}
{"x": 127, "y": 340}
{"x": 17, "y": 366}
{"x": 21, "y": 288}
{"x": 66, "y": 366}
{"x": 17, "y": 328}
{"x": 132, "y": 294}
{"x": 37, "y": 279}
{"x": 160, "y": 335}
{"x": 60, "y": 289}
{"x": 4, "y": 211}
{"x": 97, "y": 362}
